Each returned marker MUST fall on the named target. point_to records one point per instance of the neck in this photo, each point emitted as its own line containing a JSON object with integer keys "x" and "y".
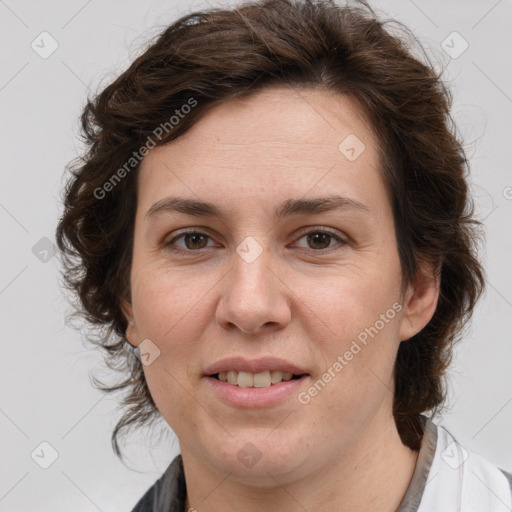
{"x": 373, "y": 473}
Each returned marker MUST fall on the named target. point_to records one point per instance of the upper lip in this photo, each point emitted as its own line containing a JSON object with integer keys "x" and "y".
{"x": 242, "y": 364}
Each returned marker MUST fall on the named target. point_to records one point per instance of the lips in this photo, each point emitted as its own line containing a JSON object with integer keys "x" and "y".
{"x": 249, "y": 383}
{"x": 254, "y": 366}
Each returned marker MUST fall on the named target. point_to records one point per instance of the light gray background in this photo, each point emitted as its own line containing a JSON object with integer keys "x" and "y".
{"x": 45, "y": 392}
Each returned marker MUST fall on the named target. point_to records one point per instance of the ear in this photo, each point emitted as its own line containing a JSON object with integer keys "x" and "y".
{"x": 131, "y": 328}
{"x": 420, "y": 300}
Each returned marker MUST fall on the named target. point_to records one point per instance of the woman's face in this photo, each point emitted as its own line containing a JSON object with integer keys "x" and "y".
{"x": 275, "y": 279}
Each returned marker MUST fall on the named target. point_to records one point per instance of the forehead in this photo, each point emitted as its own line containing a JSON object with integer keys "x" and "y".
{"x": 279, "y": 141}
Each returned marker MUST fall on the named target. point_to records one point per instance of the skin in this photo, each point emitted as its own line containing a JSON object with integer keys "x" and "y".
{"x": 298, "y": 301}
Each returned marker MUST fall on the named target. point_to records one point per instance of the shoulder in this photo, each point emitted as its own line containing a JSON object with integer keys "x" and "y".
{"x": 460, "y": 476}
{"x": 168, "y": 493}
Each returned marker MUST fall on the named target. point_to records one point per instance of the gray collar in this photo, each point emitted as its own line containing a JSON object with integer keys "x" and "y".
{"x": 412, "y": 498}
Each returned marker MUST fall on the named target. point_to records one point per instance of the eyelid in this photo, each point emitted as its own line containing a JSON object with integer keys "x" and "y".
{"x": 303, "y": 232}
{"x": 197, "y": 230}
{"x": 322, "y": 229}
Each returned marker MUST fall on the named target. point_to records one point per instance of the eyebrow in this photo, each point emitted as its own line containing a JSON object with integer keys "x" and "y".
{"x": 286, "y": 209}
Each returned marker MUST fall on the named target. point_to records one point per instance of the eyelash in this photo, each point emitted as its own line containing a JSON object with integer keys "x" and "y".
{"x": 169, "y": 245}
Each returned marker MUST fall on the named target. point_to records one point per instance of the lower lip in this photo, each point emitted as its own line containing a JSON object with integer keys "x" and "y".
{"x": 255, "y": 397}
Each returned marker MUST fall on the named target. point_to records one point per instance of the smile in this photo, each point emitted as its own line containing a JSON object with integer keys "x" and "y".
{"x": 245, "y": 383}
{"x": 263, "y": 379}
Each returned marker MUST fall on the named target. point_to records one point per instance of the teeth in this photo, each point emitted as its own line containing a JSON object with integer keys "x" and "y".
{"x": 245, "y": 380}
{"x": 262, "y": 380}
{"x": 276, "y": 376}
{"x": 256, "y": 380}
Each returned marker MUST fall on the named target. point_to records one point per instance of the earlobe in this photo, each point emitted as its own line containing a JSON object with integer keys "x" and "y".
{"x": 420, "y": 300}
{"x": 131, "y": 331}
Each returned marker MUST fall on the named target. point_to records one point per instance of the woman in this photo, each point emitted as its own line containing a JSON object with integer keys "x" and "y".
{"x": 273, "y": 212}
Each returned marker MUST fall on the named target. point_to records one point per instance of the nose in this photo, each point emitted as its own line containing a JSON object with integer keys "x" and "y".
{"x": 254, "y": 297}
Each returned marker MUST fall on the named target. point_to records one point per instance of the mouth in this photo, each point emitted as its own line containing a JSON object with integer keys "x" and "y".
{"x": 263, "y": 379}
{"x": 262, "y": 382}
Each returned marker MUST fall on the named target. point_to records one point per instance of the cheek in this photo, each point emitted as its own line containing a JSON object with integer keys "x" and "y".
{"x": 359, "y": 315}
{"x": 354, "y": 299}
{"x": 171, "y": 314}
{"x": 169, "y": 304}
{"x": 170, "y": 311}
{"x": 358, "y": 354}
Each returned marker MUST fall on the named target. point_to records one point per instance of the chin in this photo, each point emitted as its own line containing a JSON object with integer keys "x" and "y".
{"x": 262, "y": 459}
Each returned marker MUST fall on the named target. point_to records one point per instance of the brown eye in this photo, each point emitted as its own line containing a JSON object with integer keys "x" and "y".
{"x": 319, "y": 240}
{"x": 195, "y": 240}
{"x": 189, "y": 242}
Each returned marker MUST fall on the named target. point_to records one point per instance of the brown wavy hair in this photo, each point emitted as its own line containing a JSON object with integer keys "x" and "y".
{"x": 211, "y": 56}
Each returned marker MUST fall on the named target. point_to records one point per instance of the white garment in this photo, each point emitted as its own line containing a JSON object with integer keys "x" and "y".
{"x": 449, "y": 478}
